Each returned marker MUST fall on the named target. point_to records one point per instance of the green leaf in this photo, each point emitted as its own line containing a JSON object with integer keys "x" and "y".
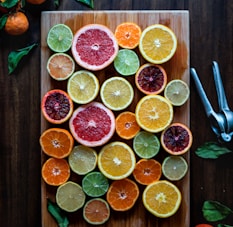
{"x": 9, "y": 3}
{"x": 223, "y": 225}
{"x": 56, "y": 3}
{"x": 211, "y": 150}
{"x": 3, "y": 20}
{"x": 57, "y": 214}
{"x": 15, "y": 56}
{"x": 214, "y": 211}
{"x": 89, "y": 3}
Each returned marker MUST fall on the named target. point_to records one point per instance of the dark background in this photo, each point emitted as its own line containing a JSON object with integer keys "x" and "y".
{"x": 211, "y": 38}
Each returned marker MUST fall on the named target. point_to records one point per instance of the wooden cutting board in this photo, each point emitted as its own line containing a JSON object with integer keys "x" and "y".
{"x": 177, "y": 67}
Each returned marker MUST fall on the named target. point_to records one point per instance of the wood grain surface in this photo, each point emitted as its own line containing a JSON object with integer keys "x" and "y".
{"x": 177, "y": 67}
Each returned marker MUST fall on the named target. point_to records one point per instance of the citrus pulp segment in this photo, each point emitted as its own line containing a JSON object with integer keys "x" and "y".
{"x": 162, "y": 198}
{"x": 60, "y": 38}
{"x": 95, "y": 184}
{"x": 56, "y": 106}
{"x": 174, "y": 168}
{"x": 70, "y": 196}
{"x": 96, "y": 211}
{"x": 126, "y": 62}
{"x": 60, "y": 66}
{"x": 154, "y": 113}
{"x": 176, "y": 139}
{"x": 92, "y": 124}
{"x": 94, "y": 47}
{"x": 146, "y": 144}
{"x": 116, "y": 93}
{"x": 56, "y": 142}
{"x": 177, "y": 92}
{"x": 116, "y": 160}
{"x": 126, "y": 125}
{"x": 122, "y": 194}
{"x": 83, "y": 87}
{"x": 128, "y": 35}
{"x": 157, "y": 44}
{"x": 55, "y": 171}
{"x": 151, "y": 79}
{"x": 147, "y": 171}
{"x": 82, "y": 159}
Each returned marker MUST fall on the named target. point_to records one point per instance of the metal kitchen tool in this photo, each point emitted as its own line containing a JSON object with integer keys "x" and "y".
{"x": 221, "y": 122}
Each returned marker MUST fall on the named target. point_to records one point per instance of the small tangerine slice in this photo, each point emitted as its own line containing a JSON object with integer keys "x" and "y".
{"x": 147, "y": 171}
{"x": 126, "y": 125}
{"x": 122, "y": 194}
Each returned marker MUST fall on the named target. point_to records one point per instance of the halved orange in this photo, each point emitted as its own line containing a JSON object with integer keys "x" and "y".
{"x": 55, "y": 171}
{"x": 122, "y": 194}
{"x": 147, "y": 171}
{"x": 126, "y": 125}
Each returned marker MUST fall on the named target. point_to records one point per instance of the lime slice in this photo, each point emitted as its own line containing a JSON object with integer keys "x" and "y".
{"x": 60, "y": 38}
{"x": 174, "y": 168}
{"x": 126, "y": 62}
{"x": 70, "y": 196}
{"x": 146, "y": 144}
{"x": 95, "y": 184}
{"x": 82, "y": 159}
{"x": 177, "y": 92}
{"x": 83, "y": 87}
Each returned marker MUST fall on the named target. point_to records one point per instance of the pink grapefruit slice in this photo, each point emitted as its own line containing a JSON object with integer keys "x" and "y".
{"x": 92, "y": 124}
{"x": 94, "y": 47}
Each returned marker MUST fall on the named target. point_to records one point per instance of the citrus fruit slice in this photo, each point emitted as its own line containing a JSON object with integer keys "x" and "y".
{"x": 56, "y": 106}
{"x": 147, "y": 171}
{"x": 116, "y": 93}
{"x": 176, "y": 139}
{"x": 94, "y": 47}
{"x": 92, "y": 124}
{"x": 70, "y": 196}
{"x": 95, "y": 184}
{"x": 96, "y": 211}
{"x": 82, "y": 159}
{"x": 174, "y": 167}
{"x": 56, "y": 142}
{"x": 55, "y": 171}
{"x": 83, "y": 87}
{"x": 157, "y": 43}
{"x": 126, "y": 125}
{"x": 162, "y": 198}
{"x": 151, "y": 79}
{"x": 146, "y": 144}
{"x": 128, "y": 34}
{"x": 122, "y": 194}
{"x": 154, "y": 113}
{"x": 126, "y": 62}
{"x": 60, "y": 66}
{"x": 60, "y": 38}
{"x": 177, "y": 92}
{"x": 116, "y": 160}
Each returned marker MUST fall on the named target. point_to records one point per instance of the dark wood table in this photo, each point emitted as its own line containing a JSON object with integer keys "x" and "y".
{"x": 211, "y": 38}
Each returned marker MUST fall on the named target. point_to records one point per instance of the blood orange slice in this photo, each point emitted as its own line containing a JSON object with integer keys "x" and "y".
{"x": 94, "y": 47}
{"x": 92, "y": 124}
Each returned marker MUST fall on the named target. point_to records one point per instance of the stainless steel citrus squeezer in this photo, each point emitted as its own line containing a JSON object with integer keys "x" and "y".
{"x": 221, "y": 122}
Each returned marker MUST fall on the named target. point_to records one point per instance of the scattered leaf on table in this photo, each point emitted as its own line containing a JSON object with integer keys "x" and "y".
{"x": 211, "y": 150}
{"x": 15, "y": 56}
{"x": 89, "y": 3}
{"x": 214, "y": 211}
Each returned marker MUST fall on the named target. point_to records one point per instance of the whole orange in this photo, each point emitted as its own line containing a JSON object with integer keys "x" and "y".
{"x": 17, "y": 23}
{"x": 36, "y": 2}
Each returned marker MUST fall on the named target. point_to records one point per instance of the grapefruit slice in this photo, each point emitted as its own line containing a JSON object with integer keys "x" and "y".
{"x": 92, "y": 124}
{"x": 94, "y": 47}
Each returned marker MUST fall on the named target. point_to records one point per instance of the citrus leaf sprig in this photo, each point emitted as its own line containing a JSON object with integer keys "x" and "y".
{"x": 9, "y": 3}
{"x": 89, "y": 3}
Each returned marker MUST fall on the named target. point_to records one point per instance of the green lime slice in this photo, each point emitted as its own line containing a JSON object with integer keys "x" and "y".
{"x": 177, "y": 92}
{"x": 70, "y": 196}
{"x": 60, "y": 38}
{"x": 82, "y": 159}
{"x": 95, "y": 184}
{"x": 146, "y": 144}
{"x": 174, "y": 168}
{"x": 126, "y": 62}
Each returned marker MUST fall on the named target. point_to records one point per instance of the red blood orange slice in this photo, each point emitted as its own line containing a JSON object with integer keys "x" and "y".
{"x": 92, "y": 124}
{"x": 94, "y": 47}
